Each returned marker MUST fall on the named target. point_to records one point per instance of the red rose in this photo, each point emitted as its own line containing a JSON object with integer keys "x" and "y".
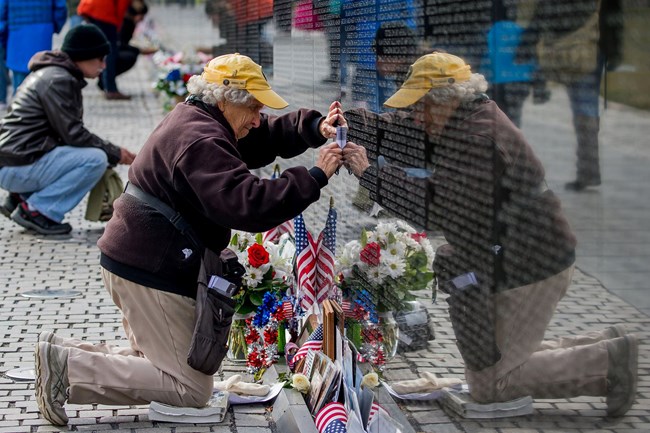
{"x": 370, "y": 254}
{"x": 257, "y": 255}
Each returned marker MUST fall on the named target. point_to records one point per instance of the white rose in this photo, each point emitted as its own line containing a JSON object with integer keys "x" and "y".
{"x": 371, "y": 380}
{"x": 300, "y": 383}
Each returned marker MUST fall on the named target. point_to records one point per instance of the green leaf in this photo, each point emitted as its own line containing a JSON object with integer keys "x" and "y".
{"x": 391, "y": 238}
{"x": 235, "y": 239}
{"x": 245, "y": 308}
{"x": 256, "y": 298}
{"x": 258, "y": 238}
{"x": 364, "y": 238}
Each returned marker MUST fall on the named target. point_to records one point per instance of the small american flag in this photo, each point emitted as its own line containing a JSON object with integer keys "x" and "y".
{"x": 314, "y": 342}
{"x": 332, "y": 418}
{"x": 325, "y": 253}
{"x": 287, "y": 310}
{"x": 305, "y": 268}
{"x": 274, "y": 234}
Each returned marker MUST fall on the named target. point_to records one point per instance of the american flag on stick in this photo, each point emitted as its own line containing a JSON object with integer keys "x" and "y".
{"x": 314, "y": 343}
{"x": 286, "y": 227}
{"x": 332, "y": 418}
{"x": 305, "y": 267}
{"x": 325, "y": 253}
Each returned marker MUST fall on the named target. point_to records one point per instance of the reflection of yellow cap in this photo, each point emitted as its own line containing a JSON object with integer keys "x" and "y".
{"x": 240, "y": 72}
{"x": 429, "y": 71}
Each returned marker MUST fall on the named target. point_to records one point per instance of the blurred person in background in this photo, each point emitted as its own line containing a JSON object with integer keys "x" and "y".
{"x": 48, "y": 159}
{"x": 128, "y": 54}
{"x": 108, "y": 15}
{"x": 28, "y": 26}
{"x": 73, "y": 18}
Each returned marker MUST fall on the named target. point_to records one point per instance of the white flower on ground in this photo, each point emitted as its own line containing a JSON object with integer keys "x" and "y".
{"x": 370, "y": 380}
{"x": 300, "y": 383}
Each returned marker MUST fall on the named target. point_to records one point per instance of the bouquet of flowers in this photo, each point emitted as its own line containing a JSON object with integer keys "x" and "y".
{"x": 174, "y": 71}
{"x": 383, "y": 269}
{"x": 255, "y": 335}
{"x": 268, "y": 268}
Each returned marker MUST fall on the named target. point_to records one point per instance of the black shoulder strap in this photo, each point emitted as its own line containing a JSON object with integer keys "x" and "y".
{"x": 174, "y": 217}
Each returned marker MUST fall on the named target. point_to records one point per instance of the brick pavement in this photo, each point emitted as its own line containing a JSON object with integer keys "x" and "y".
{"x": 30, "y": 262}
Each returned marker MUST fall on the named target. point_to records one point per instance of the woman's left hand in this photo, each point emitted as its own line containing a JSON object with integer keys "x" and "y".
{"x": 334, "y": 118}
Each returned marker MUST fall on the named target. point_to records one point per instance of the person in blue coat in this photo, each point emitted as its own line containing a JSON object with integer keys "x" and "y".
{"x": 28, "y": 26}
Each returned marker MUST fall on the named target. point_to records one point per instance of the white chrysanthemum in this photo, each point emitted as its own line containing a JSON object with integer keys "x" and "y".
{"x": 411, "y": 243}
{"x": 384, "y": 229}
{"x": 253, "y": 276}
{"x": 428, "y": 250}
{"x": 402, "y": 225}
{"x": 395, "y": 266}
{"x": 376, "y": 274}
{"x": 395, "y": 249}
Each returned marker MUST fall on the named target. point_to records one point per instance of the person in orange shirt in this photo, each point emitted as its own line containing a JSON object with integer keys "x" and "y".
{"x": 108, "y": 16}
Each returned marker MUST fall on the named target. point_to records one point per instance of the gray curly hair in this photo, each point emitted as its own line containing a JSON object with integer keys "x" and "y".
{"x": 212, "y": 93}
{"x": 464, "y": 90}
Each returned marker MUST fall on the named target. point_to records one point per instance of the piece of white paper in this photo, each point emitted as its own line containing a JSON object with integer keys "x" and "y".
{"x": 433, "y": 395}
{"x": 252, "y": 399}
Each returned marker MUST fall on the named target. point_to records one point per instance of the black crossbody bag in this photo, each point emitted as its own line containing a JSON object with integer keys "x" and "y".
{"x": 214, "y": 311}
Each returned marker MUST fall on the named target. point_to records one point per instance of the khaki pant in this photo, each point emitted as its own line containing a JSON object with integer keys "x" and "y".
{"x": 562, "y": 368}
{"x": 159, "y": 327}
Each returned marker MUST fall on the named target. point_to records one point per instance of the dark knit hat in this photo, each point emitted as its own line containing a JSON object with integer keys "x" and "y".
{"x": 84, "y": 42}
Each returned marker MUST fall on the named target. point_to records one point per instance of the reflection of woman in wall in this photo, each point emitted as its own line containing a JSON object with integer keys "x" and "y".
{"x": 362, "y": 22}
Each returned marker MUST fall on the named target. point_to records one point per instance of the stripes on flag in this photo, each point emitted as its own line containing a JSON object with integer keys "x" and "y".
{"x": 305, "y": 268}
{"x": 314, "y": 342}
{"x": 332, "y": 418}
{"x": 274, "y": 234}
{"x": 325, "y": 253}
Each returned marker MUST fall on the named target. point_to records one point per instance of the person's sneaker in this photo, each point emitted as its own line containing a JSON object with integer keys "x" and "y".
{"x": 52, "y": 381}
{"x": 578, "y": 185}
{"x": 116, "y": 96}
{"x": 10, "y": 204}
{"x": 622, "y": 374}
{"x": 50, "y": 337}
{"x": 38, "y": 222}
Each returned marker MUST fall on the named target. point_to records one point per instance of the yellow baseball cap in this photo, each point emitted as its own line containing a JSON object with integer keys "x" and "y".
{"x": 428, "y": 72}
{"x": 241, "y": 72}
